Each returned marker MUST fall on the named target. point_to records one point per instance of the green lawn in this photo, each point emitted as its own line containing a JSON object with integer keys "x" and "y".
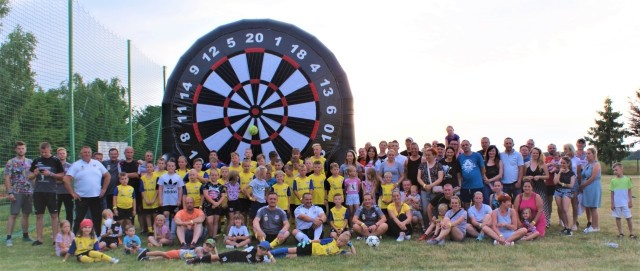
{"x": 554, "y": 252}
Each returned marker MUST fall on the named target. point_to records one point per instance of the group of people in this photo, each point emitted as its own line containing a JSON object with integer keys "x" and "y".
{"x": 442, "y": 191}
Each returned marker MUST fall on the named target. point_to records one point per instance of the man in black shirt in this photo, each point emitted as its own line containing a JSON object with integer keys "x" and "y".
{"x": 45, "y": 171}
{"x": 445, "y": 197}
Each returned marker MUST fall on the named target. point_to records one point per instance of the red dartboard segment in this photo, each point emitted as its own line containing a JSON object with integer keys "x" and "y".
{"x": 263, "y": 73}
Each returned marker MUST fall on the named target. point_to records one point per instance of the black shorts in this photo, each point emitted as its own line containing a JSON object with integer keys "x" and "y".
{"x": 304, "y": 251}
{"x": 152, "y": 211}
{"x": 169, "y": 208}
{"x": 125, "y": 214}
{"x": 255, "y": 206}
{"x": 244, "y": 206}
{"x": 466, "y": 195}
{"x": 110, "y": 240}
{"x": 236, "y": 256}
{"x": 233, "y": 205}
{"x": 213, "y": 211}
{"x": 293, "y": 207}
{"x": 270, "y": 237}
{"x": 42, "y": 200}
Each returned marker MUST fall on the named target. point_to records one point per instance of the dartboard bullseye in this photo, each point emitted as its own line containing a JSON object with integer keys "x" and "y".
{"x": 257, "y": 73}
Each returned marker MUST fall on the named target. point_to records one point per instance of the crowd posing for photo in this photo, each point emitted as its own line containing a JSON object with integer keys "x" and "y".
{"x": 438, "y": 192}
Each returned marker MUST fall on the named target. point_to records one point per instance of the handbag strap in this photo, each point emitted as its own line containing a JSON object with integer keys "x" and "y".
{"x": 429, "y": 172}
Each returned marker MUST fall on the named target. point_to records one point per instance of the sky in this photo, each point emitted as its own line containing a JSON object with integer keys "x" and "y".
{"x": 520, "y": 69}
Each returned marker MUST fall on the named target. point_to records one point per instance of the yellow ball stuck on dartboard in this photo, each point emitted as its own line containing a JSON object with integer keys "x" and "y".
{"x": 253, "y": 130}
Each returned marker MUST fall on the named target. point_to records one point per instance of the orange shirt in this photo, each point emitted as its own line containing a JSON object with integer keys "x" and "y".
{"x": 185, "y": 216}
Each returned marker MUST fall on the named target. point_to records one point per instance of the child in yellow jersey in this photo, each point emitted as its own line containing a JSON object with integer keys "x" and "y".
{"x": 319, "y": 194}
{"x": 197, "y": 165}
{"x": 124, "y": 199}
{"x": 278, "y": 166}
{"x": 283, "y": 192}
{"x": 322, "y": 247}
{"x": 85, "y": 246}
{"x": 192, "y": 189}
{"x": 161, "y": 167}
{"x": 301, "y": 185}
{"x": 149, "y": 188}
{"x": 386, "y": 189}
{"x": 248, "y": 154}
{"x": 317, "y": 156}
{"x": 234, "y": 162}
{"x": 182, "y": 169}
{"x": 334, "y": 184}
{"x": 246, "y": 176}
{"x": 338, "y": 217}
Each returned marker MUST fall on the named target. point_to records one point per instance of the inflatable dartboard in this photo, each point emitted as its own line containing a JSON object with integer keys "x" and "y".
{"x": 261, "y": 73}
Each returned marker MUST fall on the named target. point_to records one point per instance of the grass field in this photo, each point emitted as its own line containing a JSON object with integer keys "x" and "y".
{"x": 554, "y": 252}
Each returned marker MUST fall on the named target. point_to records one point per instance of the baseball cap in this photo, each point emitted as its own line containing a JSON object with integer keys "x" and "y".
{"x": 210, "y": 242}
{"x": 409, "y": 139}
{"x": 86, "y": 223}
{"x": 265, "y": 245}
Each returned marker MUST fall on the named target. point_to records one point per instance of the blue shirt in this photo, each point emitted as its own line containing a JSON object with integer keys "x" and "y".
{"x": 470, "y": 166}
{"x": 511, "y": 163}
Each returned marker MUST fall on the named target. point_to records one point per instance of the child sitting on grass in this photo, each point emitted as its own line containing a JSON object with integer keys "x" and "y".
{"x": 132, "y": 243}
{"x": 85, "y": 246}
{"x": 434, "y": 228}
{"x": 161, "y": 233}
{"x": 64, "y": 238}
{"x": 532, "y": 232}
{"x": 238, "y": 234}
{"x": 110, "y": 233}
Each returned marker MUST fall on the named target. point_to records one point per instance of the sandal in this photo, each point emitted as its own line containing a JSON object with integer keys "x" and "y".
{"x": 632, "y": 236}
{"x": 622, "y": 236}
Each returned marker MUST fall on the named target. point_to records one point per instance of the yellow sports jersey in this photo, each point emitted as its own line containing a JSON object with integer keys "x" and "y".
{"x": 302, "y": 185}
{"x": 160, "y": 172}
{"x": 125, "y": 196}
{"x": 387, "y": 189}
{"x": 245, "y": 179}
{"x": 201, "y": 174}
{"x": 318, "y": 191}
{"x": 331, "y": 248}
{"x": 404, "y": 209}
{"x": 321, "y": 159}
{"x": 283, "y": 192}
{"x": 289, "y": 181}
{"x": 83, "y": 244}
{"x": 149, "y": 191}
{"x": 339, "y": 217}
{"x": 182, "y": 172}
{"x": 336, "y": 184}
{"x": 237, "y": 168}
{"x": 254, "y": 165}
{"x": 192, "y": 189}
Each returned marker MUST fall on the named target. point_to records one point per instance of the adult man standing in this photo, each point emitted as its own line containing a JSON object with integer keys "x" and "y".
{"x": 271, "y": 223}
{"x": 45, "y": 170}
{"x": 513, "y": 168}
{"x": 63, "y": 195}
{"x": 91, "y": 180}
{"x": 473, "y": 174}
{"x": 309, "y": 220}
{"x": 20, "y": 190}
{"x": 189, "y": 224}
{"x": 112, "y": 166}
{"x": 484, "y": 144}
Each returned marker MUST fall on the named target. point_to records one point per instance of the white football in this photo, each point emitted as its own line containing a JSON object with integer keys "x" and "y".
{"x": 373, "y": 241}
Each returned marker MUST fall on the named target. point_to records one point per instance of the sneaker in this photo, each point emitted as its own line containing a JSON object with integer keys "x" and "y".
{"x": 589, "y": 224}
{"x": 192, "y": 245}
{"x": 142, "y": 254}
{"x": 27, "y": 239}
{"x": 146, "y": 258}
{"x": 422, "y": 237}
{"x": 400, "y": 237}
{"x": 441, "y": 242}
{"x": 495, "y": 242}
{"x": 568, "y": 232}
{"x": 9, "y": 242}
{"x": 480, "y": 237}
{"x": 230, "y": 246}
{"x": 588, "y": 230}
{"x": 358, "y": 238}
{"x": 407, "y": 237}
{"x": 184, "y": 246}
{"x": 564, "y": 231}
{"x": 594, "y": 229}
{"x": 36, "y": 243}
{"x": 432, "y": 241}
{"x": 114, "y": 260}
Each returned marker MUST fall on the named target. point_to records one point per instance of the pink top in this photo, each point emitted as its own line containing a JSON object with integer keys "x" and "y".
{"x": 352, "y": 186}
{"x": 162, "y": 232}
{"x": 63, "y": 240}
{"x": 530, "y": 203}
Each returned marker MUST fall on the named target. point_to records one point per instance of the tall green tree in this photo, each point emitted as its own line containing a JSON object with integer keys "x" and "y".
{"x": 634, "y": 120}
{"x": 17, "y": 83}
{"x": 608, "y": 135}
